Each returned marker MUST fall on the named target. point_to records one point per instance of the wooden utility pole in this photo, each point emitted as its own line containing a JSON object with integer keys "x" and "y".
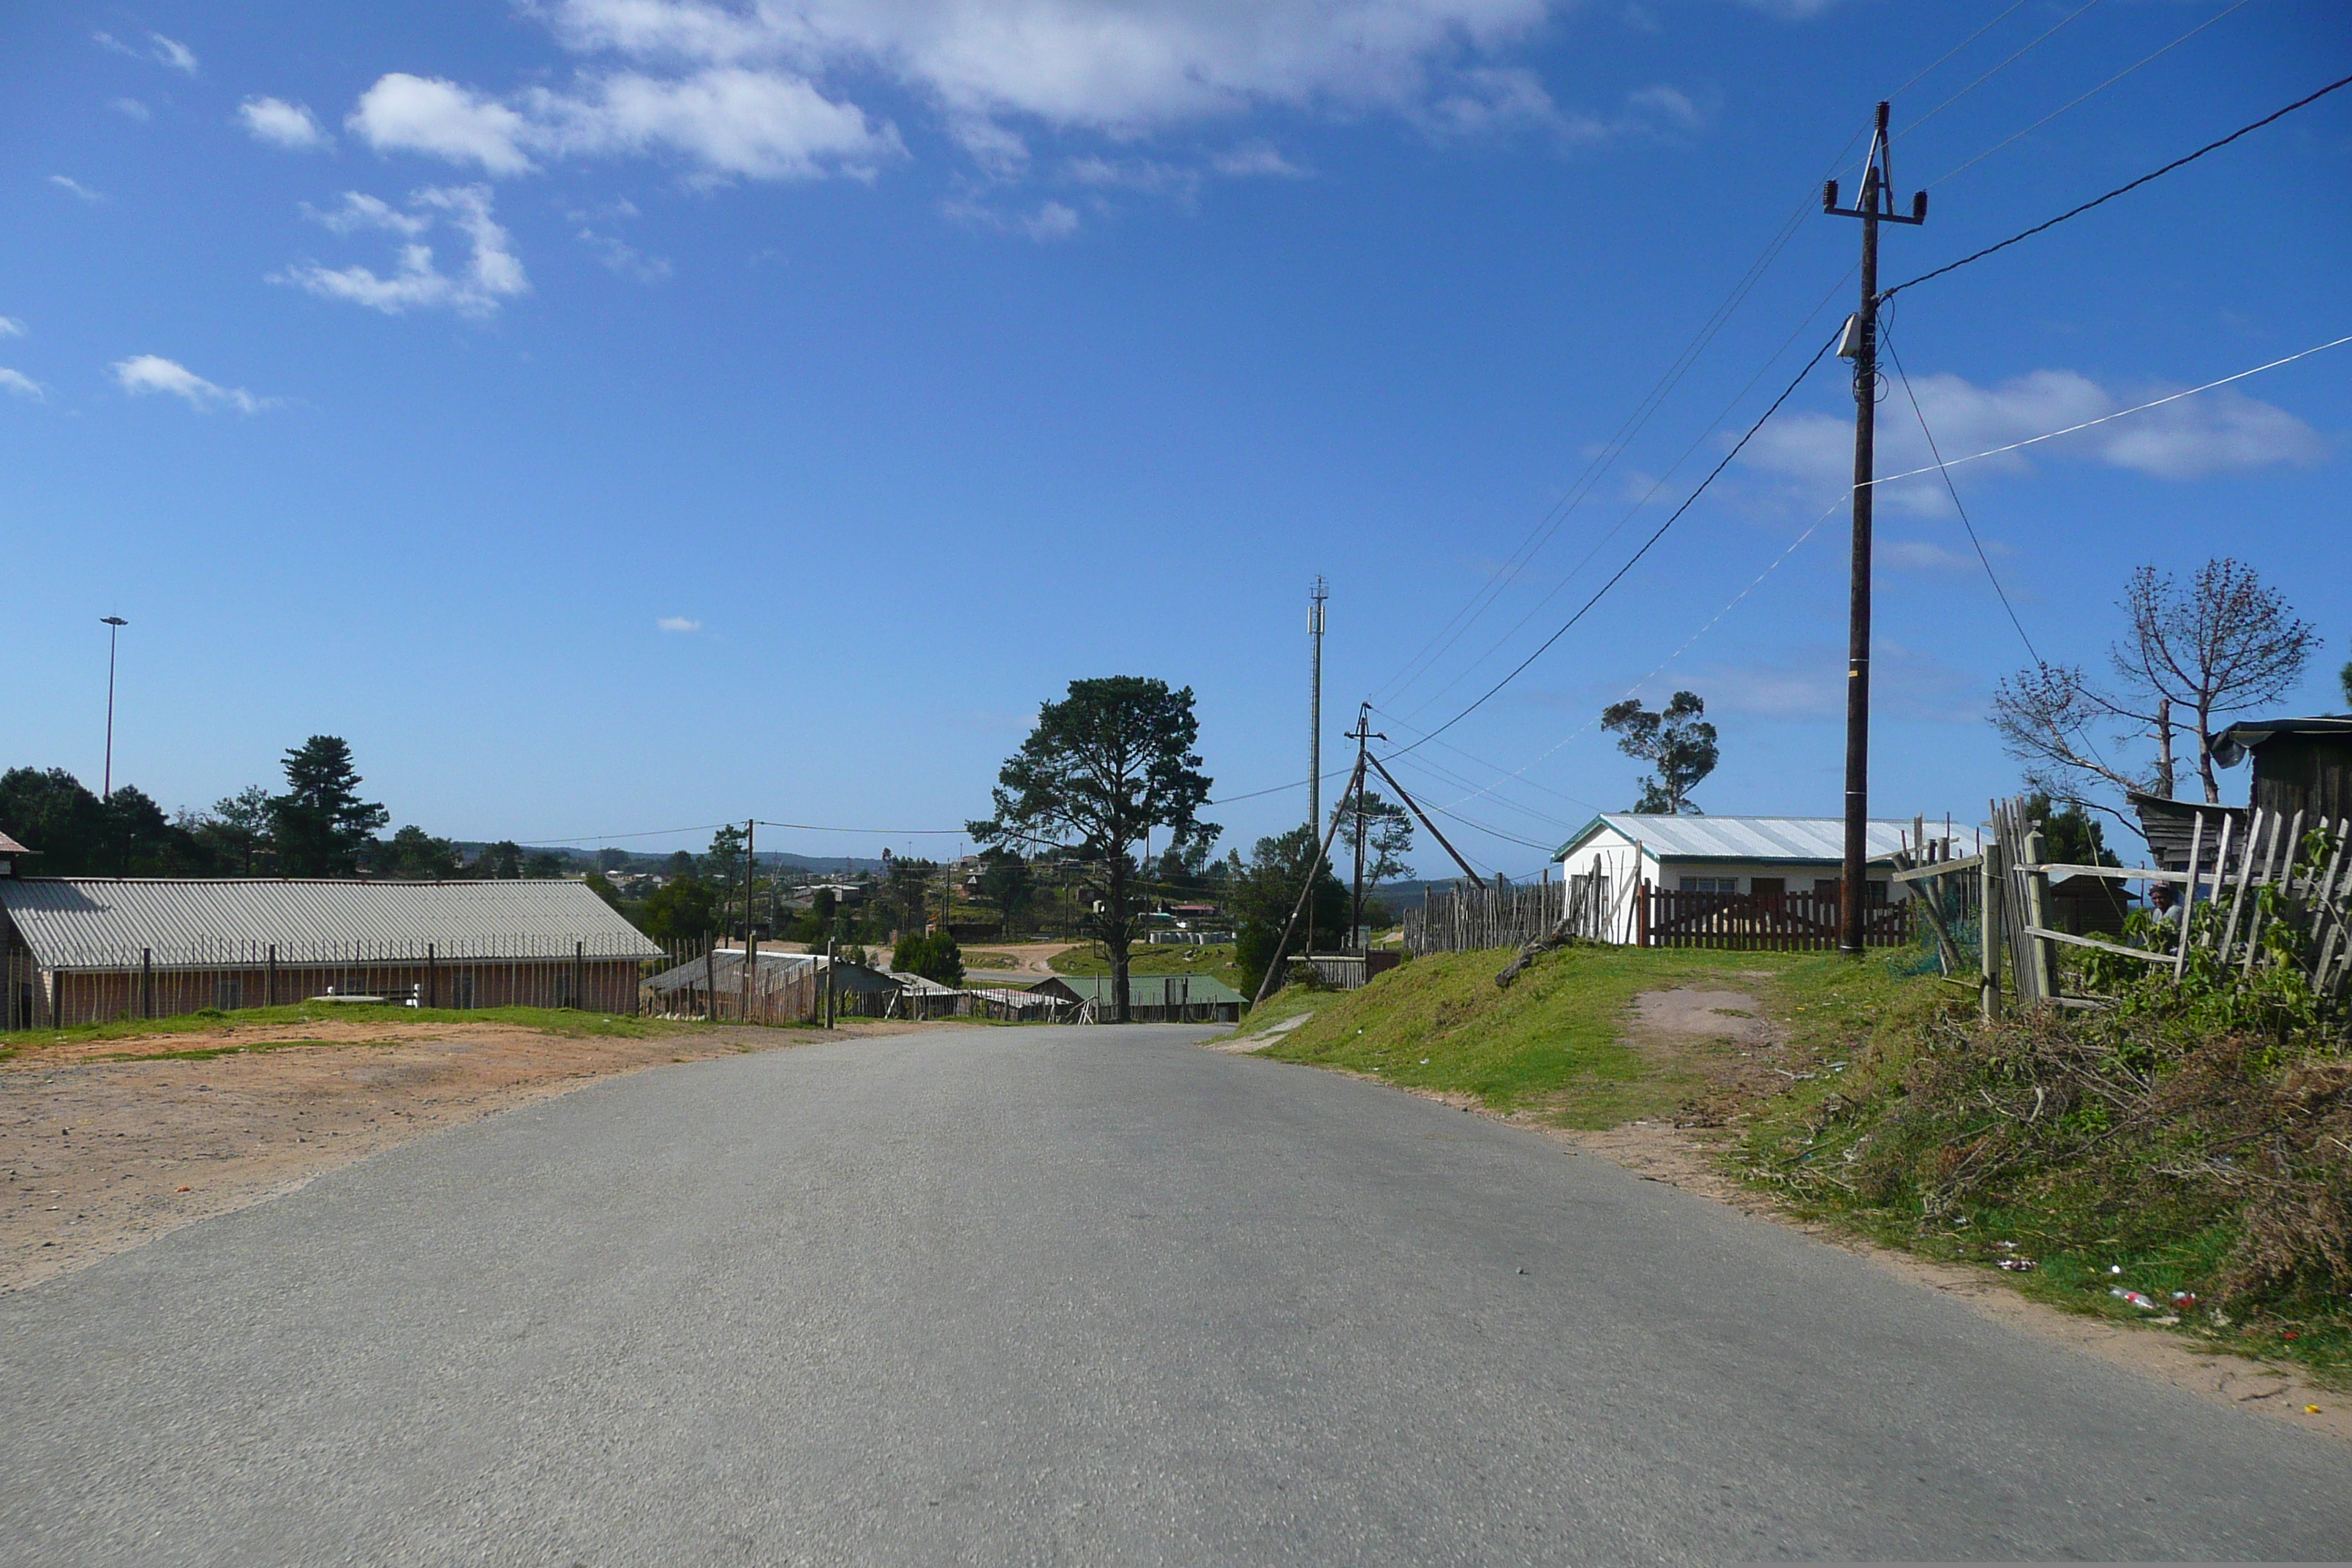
{"x": 1861, "y": 345}
{"x": 1360, "y": 734}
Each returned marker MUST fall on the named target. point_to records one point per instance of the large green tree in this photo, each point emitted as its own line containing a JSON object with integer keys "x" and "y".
{"x": 1676, "y": 743}
{"x": 320, "y": 823}
{"x": 1006, "y": 881}
{"x": 1261, "y": 894}
{"x": 1105, "y": 766}
{"x": 78, "y": 835}
{"x": 413, "y": 855}
{"x": 684, "y": 909}
{"x": 236, "y": 831}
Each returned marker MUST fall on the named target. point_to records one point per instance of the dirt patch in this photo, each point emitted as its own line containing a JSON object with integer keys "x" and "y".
{"x": 99, "y": 1154}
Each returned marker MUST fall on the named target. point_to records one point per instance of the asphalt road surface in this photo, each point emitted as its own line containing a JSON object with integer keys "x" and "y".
{"x": 1097, "y": 1296}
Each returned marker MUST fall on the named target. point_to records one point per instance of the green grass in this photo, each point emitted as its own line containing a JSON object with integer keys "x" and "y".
{"x": 1214, "y": 960}
{"x": 546, "y": 1020}
{"x": 1556, "y": 1042}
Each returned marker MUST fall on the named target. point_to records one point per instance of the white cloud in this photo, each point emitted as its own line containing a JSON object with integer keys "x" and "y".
{"x": 677, "y": 623}
{"x": 282, "y": 124}
{"x": 727, "y": 121}
{"x": 178, "y": 55}
{"x": 10, "y": 327}
{"x": 624, "y": 258}
{"x": 67, "y": 183}
{"x": 2197, "y": 435}
{"x": 492, "y": 274}
{"x": 164, "y": 51}
{"x": 1255, "y": 160}
{"x": 1049, "y": 220}
{"x": 131, "y": 109}
{"x": 152, "y": 373}
{"x": 22, "y": 385}
{"x": 757, "y": 88}
{"x": 418, "y": 114}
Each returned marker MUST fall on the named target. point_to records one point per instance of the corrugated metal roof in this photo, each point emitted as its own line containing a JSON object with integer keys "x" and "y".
{"x": 10, "y": 846}
{"x": 1145, "y": 990}
{"x": 1818, "y": 838}
{"x": 96, "y": 921}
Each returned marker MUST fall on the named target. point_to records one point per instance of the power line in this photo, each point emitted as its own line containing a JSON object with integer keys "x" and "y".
{"x": 2120, "y": 190}
{"x": 1658, "y": 534}
{"x": 1459, "y": 624}
{"x": 1917, "y": 412}
{"x": 1996, "y": 70}
{"x": 1921, "y": 73}
{"x": 1634, "y": 510}
{"x": 2074, "y": 102}
{"x": 2118, "y": 413}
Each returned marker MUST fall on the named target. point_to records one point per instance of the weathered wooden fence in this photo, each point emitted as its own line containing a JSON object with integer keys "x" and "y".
{"x": 1471, "y": 920}
{"x": 1759, "y": 922}
{"x": 2276, "y": 897}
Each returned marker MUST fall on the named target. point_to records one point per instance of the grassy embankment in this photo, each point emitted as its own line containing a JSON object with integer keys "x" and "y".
{"x": 159, "y": 1031}
{"x": 1907, "y": 1123}
{"x": 1215, "y": 961}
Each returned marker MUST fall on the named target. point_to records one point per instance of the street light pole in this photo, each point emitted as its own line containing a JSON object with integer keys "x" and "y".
{"x": 114, "y": 624}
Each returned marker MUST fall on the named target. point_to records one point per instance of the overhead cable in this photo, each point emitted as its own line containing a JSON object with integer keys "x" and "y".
{"x": 2339, "y": 83}
{"x": 1656, "y": 535}
{"x": 2077, "y": 101}
{"x": 2118, "y": 413}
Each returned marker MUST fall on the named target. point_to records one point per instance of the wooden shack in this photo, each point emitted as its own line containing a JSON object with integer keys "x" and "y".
{"x": 2300, "y": 764}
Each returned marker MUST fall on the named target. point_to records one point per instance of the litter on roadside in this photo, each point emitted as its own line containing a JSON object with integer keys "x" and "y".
{"x": 2134, "y": 1298}
{"x": 2019, "y": 1265}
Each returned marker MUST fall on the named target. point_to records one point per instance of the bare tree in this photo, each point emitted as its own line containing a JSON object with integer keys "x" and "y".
{"x": 2224, "y": 644}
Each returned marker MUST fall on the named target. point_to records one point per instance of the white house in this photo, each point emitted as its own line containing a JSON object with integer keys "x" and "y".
{"x": 1765, "y": 856}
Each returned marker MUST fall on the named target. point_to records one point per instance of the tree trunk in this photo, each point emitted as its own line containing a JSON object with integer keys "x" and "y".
{"x": 2164, "y": 775}
{"x": 2205, "y": 755}
{"x": 1115, "y": 934}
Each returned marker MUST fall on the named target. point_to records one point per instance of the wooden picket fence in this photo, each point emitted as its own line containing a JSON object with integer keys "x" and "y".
{"x": 2266, "y": 897}
{"x": 1752, "y": 922}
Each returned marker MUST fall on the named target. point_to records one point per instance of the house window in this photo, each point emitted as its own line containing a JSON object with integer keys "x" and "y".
{"x": 1710, "y": 884}
{"x": 228, "y": 992}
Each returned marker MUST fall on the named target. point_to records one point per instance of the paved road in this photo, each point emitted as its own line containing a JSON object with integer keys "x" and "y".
{"x": 1074, "y": 1295}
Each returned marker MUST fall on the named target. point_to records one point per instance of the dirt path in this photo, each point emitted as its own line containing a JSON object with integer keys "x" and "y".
{"x": 99, "y": 1153}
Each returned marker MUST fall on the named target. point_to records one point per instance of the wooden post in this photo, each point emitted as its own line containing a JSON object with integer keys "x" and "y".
{"x": 710, "y": 978}
{"x": 271, "y": 984}
{"x": 2189, "y": 897}
{"x": 2037, "y": 913}
{"x": 1988, "y": 883}
{"x": 146, "y": 982}
{"x": 579, "y": 975}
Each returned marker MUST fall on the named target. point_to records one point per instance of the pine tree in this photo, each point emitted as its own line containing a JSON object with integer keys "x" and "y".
{"x": 320, "y": 823}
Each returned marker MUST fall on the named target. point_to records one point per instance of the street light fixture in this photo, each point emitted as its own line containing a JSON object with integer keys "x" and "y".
{"x": 113, "y": 624}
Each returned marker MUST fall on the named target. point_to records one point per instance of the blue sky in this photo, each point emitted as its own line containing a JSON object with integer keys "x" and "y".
{"x": 620, "y": 415}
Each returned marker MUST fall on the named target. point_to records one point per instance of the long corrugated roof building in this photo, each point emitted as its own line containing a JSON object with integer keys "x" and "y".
{"x": 85, "y": 949}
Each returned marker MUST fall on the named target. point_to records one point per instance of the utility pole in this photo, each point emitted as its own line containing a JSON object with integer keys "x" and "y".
{"x": 114, "y": 624}
{"x": 1861, "y": 345}
{"x": 751, "y": 863}
{"x": 1315, "y": 598}
{"x": 1360, "y": 734}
